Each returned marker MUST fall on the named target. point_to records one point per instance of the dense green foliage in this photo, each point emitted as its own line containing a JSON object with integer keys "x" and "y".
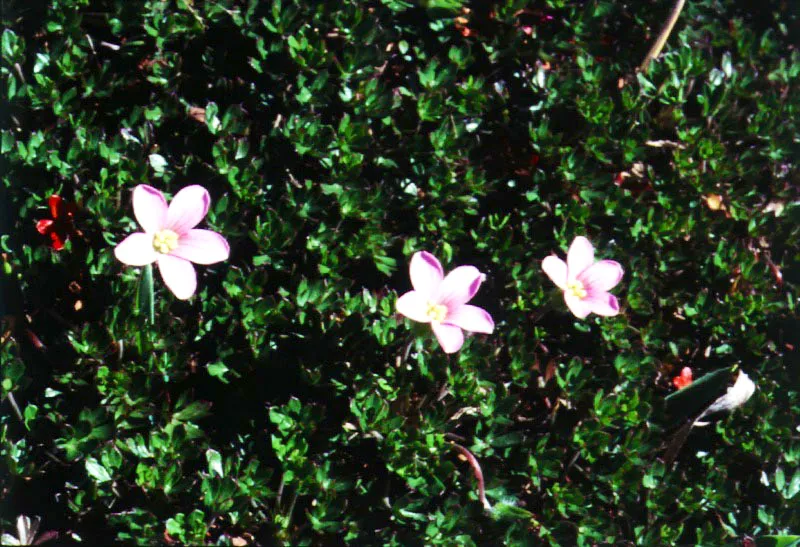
{"x": 287, "y": 402}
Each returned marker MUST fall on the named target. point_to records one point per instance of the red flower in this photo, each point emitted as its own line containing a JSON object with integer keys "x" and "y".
{"x": 685, "y": 378}
{"x": 60, "y": 227}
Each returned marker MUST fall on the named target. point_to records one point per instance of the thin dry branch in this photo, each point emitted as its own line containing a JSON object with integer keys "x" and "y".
{"x": 476, "y": 469}
{"x": 662, "y": 37}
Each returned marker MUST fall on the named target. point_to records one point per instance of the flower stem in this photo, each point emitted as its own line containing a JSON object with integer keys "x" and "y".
{"x": 146, "y": 296}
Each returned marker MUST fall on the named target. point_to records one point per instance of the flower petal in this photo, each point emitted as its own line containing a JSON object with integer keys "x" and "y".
{"x": 8, "y": 539}
{"x": 414, "y": 305}
{"x": 472, "y": 319}
{"x": 684, "y": 379}
{"x": 56, "y": 204}
{"x": 136, "y": 250}
{"x": 601, "y": 276}
{"x": 187, "y": 209}
{"x": 44, "y": 226}
{"x": 579, "y": 257}
{"x": 149, "y": 208}
{"x": 178, "y": 275}
{"x": 27, "y": 529}
{"x": 556, "y": 270}
{"x": 579, "y": 307}
{"x": 459, "y": 286}
{"x": 202, "y": 247}
{"x": 602, "y": 303}
{"x": 57, "y": 241}
{"x": 426, "y": 273}
{"x": 449, "y": 336}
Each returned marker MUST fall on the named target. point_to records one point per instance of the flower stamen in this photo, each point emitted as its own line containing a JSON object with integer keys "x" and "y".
{"x": 576, "y": 289}
{"x": 165, "y": 241}
{"x": 436, "y": 312}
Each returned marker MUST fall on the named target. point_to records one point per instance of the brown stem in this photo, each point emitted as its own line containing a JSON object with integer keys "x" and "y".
{"x": 476, "y": 469}
{"x": 665, "y": 32}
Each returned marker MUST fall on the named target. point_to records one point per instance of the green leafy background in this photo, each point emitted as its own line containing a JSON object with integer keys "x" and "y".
{"x": 287, "y": 402}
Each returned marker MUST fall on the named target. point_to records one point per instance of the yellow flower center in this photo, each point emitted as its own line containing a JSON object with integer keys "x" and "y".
{"x": 165, "y": 241}
{"x": 576, "y": 289}
{"x": 436, "y": 312}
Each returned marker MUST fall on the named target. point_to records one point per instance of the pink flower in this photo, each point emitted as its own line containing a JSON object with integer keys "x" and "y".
{"x": 442, "y": 301}
{"x": 585, "y": 282}
{"x": 170, "y": 238}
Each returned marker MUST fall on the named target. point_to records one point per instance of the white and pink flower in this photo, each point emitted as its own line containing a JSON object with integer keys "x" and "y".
{"x": 442, "y": 301}
{"x": 170, "y": 238}
{"x": 585, "y": 282}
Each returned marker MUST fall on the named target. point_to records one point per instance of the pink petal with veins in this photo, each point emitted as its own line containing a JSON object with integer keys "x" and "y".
{"x": 602, "y": 303}
{"x": 187, "y": 209}
{"x": 136, "y": 250}
{"x": 426, "y": 273}
{"x": 601, "y": 276}
{"x": 202, "y": 247}
{"x": 472, "y": 319}
{"x": 414, "y": 305}
{"x": 579, "y": 257}
{"x": 556, "y": 270}
{"x": 449, "y": 336}
{"x": 149, "y": 208}
{"x": 178, "y": 275}
{"x": 459, "y": 286}
{"x": 580, "y": 308}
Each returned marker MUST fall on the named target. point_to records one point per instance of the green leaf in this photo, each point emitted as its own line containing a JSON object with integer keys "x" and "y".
{"x": 157, "y": 162}
{"x": 31, "y": 411}
{"x": 218, "y": 370}
{"x": 9, "y": 44}
{"x": 794, "y": 486}
{"x": 175, "y": 526}
{"x": 212, "y": 118}
{"x": 778, "y": 541}
{"x": 504, "y": 511}
{"x": 214, "y": 462}
{"x": 97, "y": 471}
{"x": 197, "y": 409}
{"x": 510, "y": 439}
{"x": 385, "y": 264}
{"x": 7, "y": 142}
{"x": 780, "y": 479}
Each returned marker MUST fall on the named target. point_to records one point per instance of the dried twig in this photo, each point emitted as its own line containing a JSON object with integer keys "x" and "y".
{"x": 476, "y": 469}
{"x": 13, "y": 402}
{"x": 665, "y": 144}
{"x": 662, "y": 37}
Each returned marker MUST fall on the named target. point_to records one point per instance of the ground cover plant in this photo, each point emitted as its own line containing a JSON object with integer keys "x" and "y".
{"x": 341, "y": 156}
